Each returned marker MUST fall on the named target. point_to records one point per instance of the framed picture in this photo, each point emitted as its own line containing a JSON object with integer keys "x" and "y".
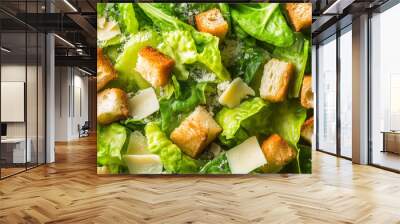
{"x": 204, "y": 88}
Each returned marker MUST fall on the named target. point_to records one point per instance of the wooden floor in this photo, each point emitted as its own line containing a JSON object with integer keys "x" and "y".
{"x": 69, "y": 191}
{"x": 387, "y": 159}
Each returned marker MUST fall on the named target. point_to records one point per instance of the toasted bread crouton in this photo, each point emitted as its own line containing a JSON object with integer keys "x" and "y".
{"x": 112, "y": 105}
{"x": 105, "y": 70}
{"x": 300, "y": 15}
{"x": 307, "y": 129}
{"x": 212, "y": 22}
{"x": 197, "y": 131}
{"x": 275, "y": 80}
{"x": 154, "y": 66}
{"x": 307, "y": 95}
{"x": 277, "y": 151}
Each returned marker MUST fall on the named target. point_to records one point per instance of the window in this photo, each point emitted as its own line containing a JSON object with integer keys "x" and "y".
{"x": 327, "y": 95}
{"x": 385, "y": 89}
{"x": 346, "y": 75}
{"x": 22, "y": 75}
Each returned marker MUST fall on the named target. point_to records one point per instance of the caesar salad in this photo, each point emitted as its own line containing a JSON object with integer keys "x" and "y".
{"x": 204, "y": 88}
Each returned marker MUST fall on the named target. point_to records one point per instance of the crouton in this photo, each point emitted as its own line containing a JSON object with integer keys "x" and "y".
{"x": 112, "y": 105}
{"x": 300, "y": 14}
{"x": 277, "y": 151}
{"x": 275, "y": 80}
{"x": 307, "y": 129}
{"x": 306, "y": 95}
{"x": 197, "y": 131}
{"x": 105, "y": 70}
{"x": 212, "y": 22}
{"x": 154, "y": 66}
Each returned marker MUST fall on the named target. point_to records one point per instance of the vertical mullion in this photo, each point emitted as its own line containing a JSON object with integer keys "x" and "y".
{"x": 369, "y": 79}
{"x": 45, "y": 86}
{"x": 26, "y": 86}
{"x": 338, "y": 73}
{"x": 1, "y": 165}
{"x": 316, "y": 115}
{"x": 37, "y": 90}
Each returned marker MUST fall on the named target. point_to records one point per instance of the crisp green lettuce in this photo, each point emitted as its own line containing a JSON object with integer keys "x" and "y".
{"x": 259, "y": 123}
{"x": 145, "y": 23}
{"x": 186, "y": 47}
{"x": 287, "y": 119}
{"x": 128, "y": 78}
{"x": 112, "y": 141}
{"x": 305, "y": 159}
{"x": 230, "y": 119}
{"x": 173, "y": 110}
{"x": 123, "y": 13}
{"x": 115, "y": 41}
{"x": 101, "y": 8}
{"x": 206, "y": 44}
{"x": 174, "y": 161}
{"x": 209, "y": 54}
{"x": 264, "y": 22}
{"x": 180, "y": 46}
{"x": 240, "y": 136}
{"x": 218, "y": 165}
{"x": 162, "y": 19}
{"x": 127, "y": 18}
{"x": 244, "y": 60}
{"x": 297, "y": 54}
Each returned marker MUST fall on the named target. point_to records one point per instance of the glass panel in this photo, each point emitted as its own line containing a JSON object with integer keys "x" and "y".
{"x": 385, "y": 84}
{"x": 41, "y": 99}
{"x": 327, "y": 96}
{"x": 314, "y": 74}
{"x": 31, "y": 99}
{"x": 346, "y": 93}
{"x": 13, "y": 86}
{"x": 32, "y": 89}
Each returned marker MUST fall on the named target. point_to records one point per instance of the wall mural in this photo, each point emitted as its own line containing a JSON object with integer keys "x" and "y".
{"x": 204, "y": 88}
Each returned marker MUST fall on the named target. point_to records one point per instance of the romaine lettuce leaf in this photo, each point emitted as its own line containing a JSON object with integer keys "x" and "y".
{"x": 173, "y": 110}
{"x": 218, "y": 165}
{"x": 180, "y": 46}
{"x": 174, "y": 161}
{"x": 259, "y": 123}
{"x": 206, "y": 44}
{"x": 112, "y": 141}
{"x": 264, "y": 22}
{"x": 162, "y": 18}
{"x": 305, "y": 159}
{"x": 122, "y": 13}
{"x": 128, "y": 78}
{"x": 127, "y": 18}
{"x": 145, "y": 22}
{"x": 230, "y": 119}
{"x": 298, "y": 55}
{"x": 287, "y": 118}
{"x": 240, "y": 136}
{"x": 209, "y": 54}
{"x": 243, "y": 60}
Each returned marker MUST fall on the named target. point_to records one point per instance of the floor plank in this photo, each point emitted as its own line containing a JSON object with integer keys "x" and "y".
{"x": 69, "y": 191}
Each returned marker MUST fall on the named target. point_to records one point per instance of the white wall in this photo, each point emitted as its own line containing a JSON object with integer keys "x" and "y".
{"x": 71, "y": 94}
